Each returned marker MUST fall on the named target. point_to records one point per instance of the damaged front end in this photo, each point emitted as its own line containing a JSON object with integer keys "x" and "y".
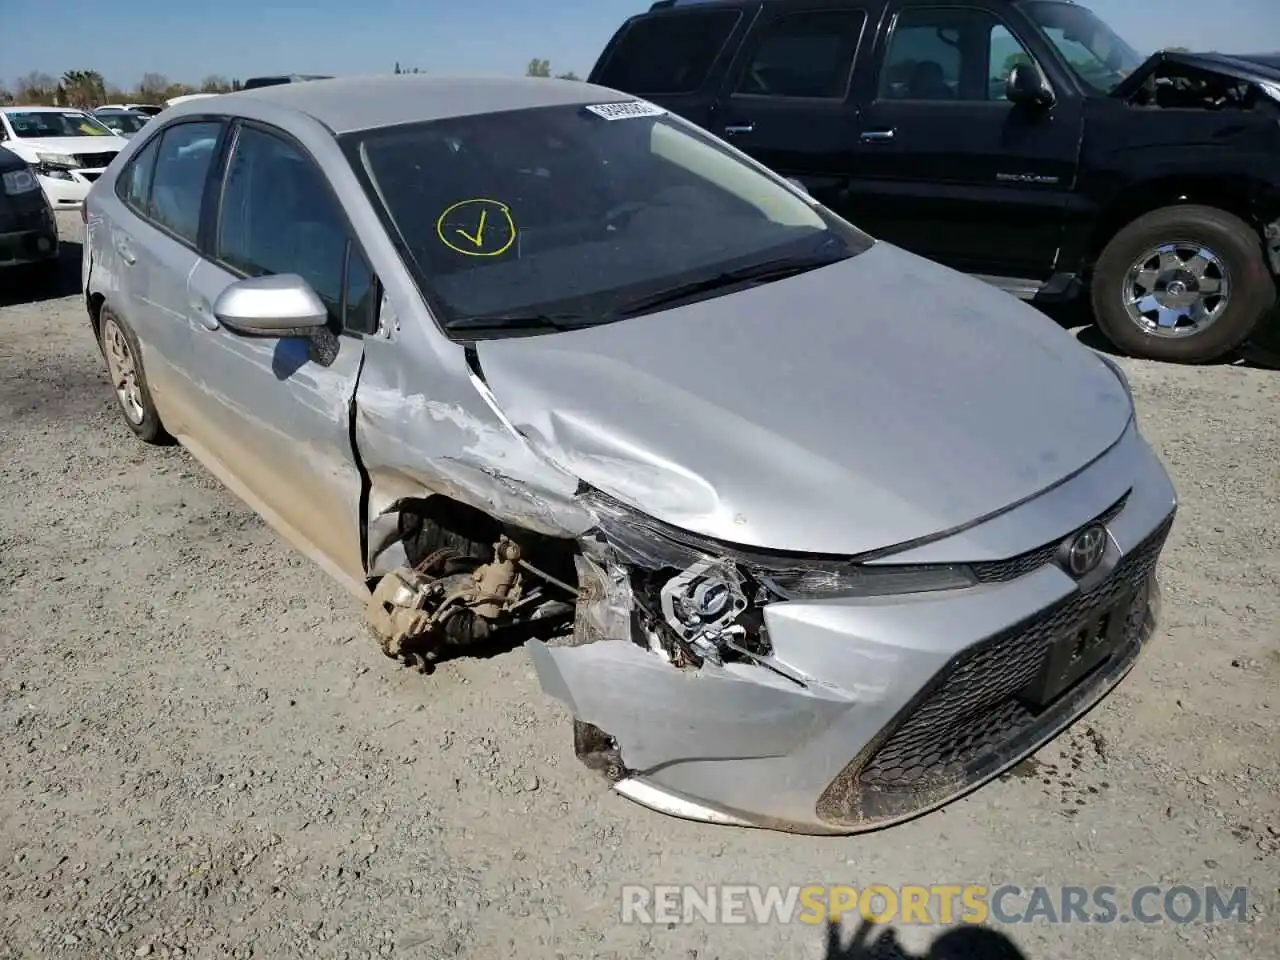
{"x": 1171, "y": 80}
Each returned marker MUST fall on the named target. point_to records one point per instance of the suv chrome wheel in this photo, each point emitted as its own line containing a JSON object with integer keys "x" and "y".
{"x": 1177, "y": 289}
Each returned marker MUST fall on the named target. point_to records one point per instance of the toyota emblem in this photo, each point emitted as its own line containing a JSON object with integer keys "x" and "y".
{"x": 1083, "y": 552}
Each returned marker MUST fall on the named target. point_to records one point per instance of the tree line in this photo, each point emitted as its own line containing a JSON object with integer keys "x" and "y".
{"x": 84, "y": 89}
{"x": 87, "y": 88}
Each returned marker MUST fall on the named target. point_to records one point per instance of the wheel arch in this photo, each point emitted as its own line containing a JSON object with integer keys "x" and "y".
{"x": 1250, "y": 200}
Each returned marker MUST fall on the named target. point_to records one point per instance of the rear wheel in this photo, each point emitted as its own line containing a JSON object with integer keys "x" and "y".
{"x": 124, "y": 367}
{"x": 1185, "y": 284}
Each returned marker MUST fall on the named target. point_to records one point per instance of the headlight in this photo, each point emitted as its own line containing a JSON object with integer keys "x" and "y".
{"x": 56, "y": 160}
{"x": 20, "y": 181}
{"x": 705, "y": 598}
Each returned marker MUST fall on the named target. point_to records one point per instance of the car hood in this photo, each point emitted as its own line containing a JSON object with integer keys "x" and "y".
{"x": 1258, "y": 68}
{"x": 871, "y": 403}
{"x": 67, "y": 145}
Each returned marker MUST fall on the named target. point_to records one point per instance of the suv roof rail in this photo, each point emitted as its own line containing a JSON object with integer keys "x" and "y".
{"x": 668, "y": 4}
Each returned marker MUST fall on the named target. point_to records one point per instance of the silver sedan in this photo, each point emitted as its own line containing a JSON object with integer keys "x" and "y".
{"x": 807, "y": 532}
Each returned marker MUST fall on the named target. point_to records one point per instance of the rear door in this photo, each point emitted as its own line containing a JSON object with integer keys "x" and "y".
{"x": 787, "y": 102}
{"x": 946, "y": 166}
{"x": 151, "y": 238}
{"x": 675, "y": 57}
{"x": 274, "y": 420}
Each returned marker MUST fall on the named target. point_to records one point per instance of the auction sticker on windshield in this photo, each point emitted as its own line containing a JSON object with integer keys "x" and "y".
{"x": 626, "y": 110}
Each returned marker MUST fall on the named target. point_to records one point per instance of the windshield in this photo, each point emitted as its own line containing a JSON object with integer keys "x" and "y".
{"x": 1097, "y": 55}
{"x": 55, "y": 123}
{"x": 124, "y": 122}
{"x": 581, "y": 212}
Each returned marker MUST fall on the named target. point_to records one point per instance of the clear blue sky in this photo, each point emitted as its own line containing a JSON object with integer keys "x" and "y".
{"x": 241, "y": 38}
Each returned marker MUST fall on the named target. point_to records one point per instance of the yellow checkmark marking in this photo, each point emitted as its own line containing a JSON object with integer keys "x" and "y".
{"x": 475, "y": 242}
{"x": 478, "y": 239}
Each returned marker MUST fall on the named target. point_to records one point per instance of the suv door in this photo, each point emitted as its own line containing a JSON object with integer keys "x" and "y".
{"x": 675, "y": 57}
{"x": 276, "y": 425}
{"x": 151, "y": 248}
{"x": 787, "y": 103}
{"x": 946, "y": 166}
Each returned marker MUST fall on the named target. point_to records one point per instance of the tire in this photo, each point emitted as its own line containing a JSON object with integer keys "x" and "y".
{"x": 128, "y": 380}
{"x": 1237, "y": 263}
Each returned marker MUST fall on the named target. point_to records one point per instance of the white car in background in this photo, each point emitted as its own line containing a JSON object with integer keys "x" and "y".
{"x": 68, "y": 149}
{"x": 150, "y": 109}
{"x": 174, "y": 101}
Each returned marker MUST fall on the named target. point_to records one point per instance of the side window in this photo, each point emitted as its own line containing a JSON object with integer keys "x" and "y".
{"x": 1004, "y": 52}
{"x": 181, "y": 169}
{"x": 948, "y": 53}
{"x": 133, "y": 186}
{"x": 279, "y": 216}
{"x": 669, "y": 53}
{"x": 805, "y": 55}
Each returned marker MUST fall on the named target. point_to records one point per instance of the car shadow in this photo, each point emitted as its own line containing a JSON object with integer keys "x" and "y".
{"x": 968, "y": 942}
{"x": 34, "y": 283}
{"x": 1261, "y": 352}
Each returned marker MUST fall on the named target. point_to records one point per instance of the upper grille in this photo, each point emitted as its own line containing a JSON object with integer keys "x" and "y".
{"x": 970, "y": 721}
{"x": 1002, "y": 571}
{"x": 95, "y": 160}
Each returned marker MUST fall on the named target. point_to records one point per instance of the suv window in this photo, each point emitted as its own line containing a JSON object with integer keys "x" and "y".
{"x": 669, "y": 53}
{"x": 181, "y": 169}
{"x": 948, "y": 53}
{"x": 279, "y": 216}
{"x": 133, "y": 186}
{"x": 805, "y": 55}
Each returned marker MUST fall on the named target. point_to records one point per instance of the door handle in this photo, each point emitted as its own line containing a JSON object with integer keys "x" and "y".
{"x": 740, "y": 128}
{"x": 877, "y": 136}
{"x": 127, "y": 255}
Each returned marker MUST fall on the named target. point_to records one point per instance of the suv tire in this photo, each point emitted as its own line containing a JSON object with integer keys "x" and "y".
{"x": 1251, "y": 290}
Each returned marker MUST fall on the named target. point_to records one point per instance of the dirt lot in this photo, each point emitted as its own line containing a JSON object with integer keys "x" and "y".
{"x": 204, "y": 755}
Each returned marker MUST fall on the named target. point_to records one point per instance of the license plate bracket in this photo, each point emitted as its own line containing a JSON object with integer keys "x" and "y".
{"x": 1076, "y": 652}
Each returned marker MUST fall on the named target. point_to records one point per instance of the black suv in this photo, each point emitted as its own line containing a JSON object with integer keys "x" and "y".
{"x": 28, "y": 232}
{"x": 1021, "y": 141}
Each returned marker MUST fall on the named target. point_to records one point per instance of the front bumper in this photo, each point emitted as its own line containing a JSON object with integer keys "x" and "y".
{"x": 901, "y": 703}
{"x": 28, "y": 231}
{"x": 68, "y": 192}
{"x": 28, "y": 246}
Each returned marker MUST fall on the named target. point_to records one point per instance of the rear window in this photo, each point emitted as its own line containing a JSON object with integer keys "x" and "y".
{"x": 669, "y": 53}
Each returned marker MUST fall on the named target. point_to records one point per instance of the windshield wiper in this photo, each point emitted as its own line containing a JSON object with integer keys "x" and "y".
{"x": 766, "y": 271}
{"x": 518, "y": 321}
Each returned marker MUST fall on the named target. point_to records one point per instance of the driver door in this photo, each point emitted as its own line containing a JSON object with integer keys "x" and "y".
{"x": 274, "y": 421}
{"x": 948, "y": 168}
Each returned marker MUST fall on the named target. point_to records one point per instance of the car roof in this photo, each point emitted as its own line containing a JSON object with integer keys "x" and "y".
{"x": 348, "y": 104}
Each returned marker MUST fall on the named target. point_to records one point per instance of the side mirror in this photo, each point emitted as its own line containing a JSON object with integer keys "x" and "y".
{"x": 283, "y": 305}
{"x": 1027, "y": 87}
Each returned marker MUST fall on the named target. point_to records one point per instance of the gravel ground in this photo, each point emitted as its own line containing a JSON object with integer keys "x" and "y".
{"x": 206, "y": 757}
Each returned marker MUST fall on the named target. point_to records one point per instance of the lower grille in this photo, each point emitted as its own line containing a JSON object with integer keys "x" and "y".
{"x": 973, "y": 718}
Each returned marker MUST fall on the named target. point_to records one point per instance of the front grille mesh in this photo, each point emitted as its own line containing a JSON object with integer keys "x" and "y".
{"x": 967, "y": 722}
{"x": 1002, "y": 571}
